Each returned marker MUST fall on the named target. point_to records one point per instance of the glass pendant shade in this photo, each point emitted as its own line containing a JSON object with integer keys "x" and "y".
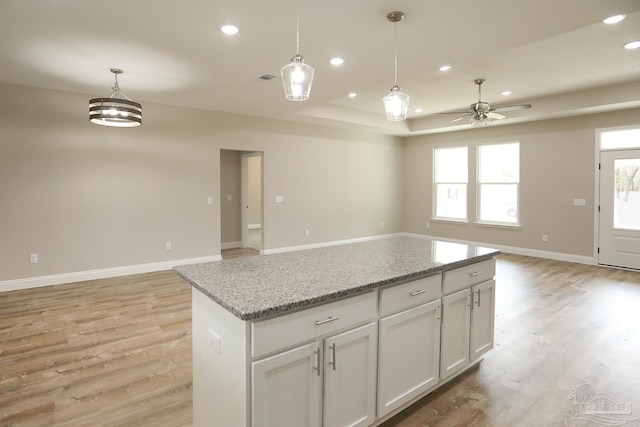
{"x": 115, "y": 112}
{"x": 396, "y": 104}
{"x": 297, "y": 78}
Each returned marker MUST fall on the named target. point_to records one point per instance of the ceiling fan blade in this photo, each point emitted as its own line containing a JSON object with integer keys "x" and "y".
{"x": 512, "y": 107}
{"x": 496, "y": 116}
{"x": 457, "y": 112}
{"x": 463, "y": 117}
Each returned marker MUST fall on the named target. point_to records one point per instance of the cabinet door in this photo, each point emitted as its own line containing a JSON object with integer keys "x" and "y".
{"x": 482, "y": 318}
{"x": 456, "y": 323}
{"x": 409, "y": 355}
{"x": 286, "y": 389}
{"x": 350, "y": 377}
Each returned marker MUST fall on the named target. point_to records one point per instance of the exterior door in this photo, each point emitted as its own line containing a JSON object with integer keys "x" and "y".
{"x": 619, "y": 223}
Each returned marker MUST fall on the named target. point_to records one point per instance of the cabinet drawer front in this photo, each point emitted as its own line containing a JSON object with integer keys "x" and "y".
{"x": 468, "y": 275}
{"x": 410, "y": 294}
{"x": 284, "y": 331}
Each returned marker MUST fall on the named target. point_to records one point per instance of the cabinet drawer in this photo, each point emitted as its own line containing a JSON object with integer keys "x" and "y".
{"x": 468, "y": 275}
{"x": 410, "y": 294}
{"x": 284, "y": 331}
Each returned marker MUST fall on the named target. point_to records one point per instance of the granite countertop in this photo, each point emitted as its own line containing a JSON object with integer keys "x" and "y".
{"x": 255, "y": 287}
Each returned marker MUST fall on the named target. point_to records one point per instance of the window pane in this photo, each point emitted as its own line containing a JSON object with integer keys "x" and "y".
{"x": 628, "y": 138}
{"x": 499, "y": 203}
{"x": 451, "y": 164}
{"x": 499, "y": 163}
{"x": 626, "y": 206}
{"x": 451, "y": 201}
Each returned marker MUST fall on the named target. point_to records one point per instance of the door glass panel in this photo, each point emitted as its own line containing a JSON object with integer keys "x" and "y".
{"x": 626, "y": 203}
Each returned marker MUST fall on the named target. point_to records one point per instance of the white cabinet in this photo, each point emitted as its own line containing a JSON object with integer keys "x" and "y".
{"x": 286, "y": 389}
{"x": 456, "y": 326}
{"x": 467, "y": 316}
{"x": 350, "y": 377}
{"x": 330, "y": 380}
{"x": 483, "y": 316}
{"x": 409, "y": 355}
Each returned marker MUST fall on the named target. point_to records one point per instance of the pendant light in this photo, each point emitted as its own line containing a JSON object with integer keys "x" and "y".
{"x": 396, "y": 103}
{"x": 115, "y": 111}
{"x": 297, "y": 76}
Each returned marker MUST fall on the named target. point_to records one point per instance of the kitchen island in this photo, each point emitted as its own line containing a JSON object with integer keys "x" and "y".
{"x": 342, "y": 335}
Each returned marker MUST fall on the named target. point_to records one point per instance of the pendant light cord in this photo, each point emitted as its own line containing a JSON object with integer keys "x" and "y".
{"x": 395, "y": 48}
{"x": 298, "y": 29}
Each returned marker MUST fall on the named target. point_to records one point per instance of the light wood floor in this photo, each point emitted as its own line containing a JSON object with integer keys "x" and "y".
{"x": 117, "y": 352}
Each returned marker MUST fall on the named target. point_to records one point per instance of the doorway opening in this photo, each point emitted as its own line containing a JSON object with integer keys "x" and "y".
{"x": 241, "y": 206}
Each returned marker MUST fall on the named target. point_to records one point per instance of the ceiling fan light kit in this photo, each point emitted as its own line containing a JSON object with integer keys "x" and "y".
{"x": 297, "y": 76}
{"x": 396, "y": 103}
{"x": 115, "y": 111}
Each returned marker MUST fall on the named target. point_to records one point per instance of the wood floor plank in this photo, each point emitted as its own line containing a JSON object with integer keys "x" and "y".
{"x": 117, "y": 352}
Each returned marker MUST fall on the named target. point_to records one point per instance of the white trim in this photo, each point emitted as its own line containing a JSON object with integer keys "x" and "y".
{"x": 230, "y": 245}
{"x": 80, "y": 276}
{"x": 558, "y": 256}
{"x": 326, "y": 244}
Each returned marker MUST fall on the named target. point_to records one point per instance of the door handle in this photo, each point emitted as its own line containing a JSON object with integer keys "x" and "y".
{"x": 332, "y": 362}
{"x": 317, "y": 367}
{"x": 330, "y": 319}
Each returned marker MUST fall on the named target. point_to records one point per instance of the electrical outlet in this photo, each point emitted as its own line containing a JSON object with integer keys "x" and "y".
{"x": 33, "y": 258}
{"x": 382, "y": 224}
{"x": 545, "y": 238}
{"x": 428, "y": 225}
{"x": 306, "y": 233}
{"x": 209, "y": 200}
{"x": 167, "y": 246}
{"x": 215, "y": 341}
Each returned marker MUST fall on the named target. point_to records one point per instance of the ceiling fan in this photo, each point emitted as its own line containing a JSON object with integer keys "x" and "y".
{"x": 481, "y": 112}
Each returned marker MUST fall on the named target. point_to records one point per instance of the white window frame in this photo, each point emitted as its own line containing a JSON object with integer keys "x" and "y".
{"x": 480, "y": 183}
{"x": 434, "y": 189}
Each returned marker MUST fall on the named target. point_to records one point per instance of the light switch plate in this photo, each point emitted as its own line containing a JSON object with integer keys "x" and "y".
{"x": 579, "y": 202}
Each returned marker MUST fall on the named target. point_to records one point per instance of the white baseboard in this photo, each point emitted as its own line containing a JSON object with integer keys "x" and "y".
{"x": 230, "y": 245}
{"x": 81, "y": 276}
{"x": 558, "y": 256}
{"x": 325, "y": 244}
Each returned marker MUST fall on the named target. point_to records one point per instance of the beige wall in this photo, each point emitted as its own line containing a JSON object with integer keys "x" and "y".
{"x": 557, "y": 165}
{"x": 87, "y": 197}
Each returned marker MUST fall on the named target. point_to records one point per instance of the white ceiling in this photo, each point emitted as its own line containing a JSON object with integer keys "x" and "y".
{"x": 554, "y": 54}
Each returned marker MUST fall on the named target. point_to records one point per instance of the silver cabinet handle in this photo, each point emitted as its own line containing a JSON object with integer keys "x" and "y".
{"x": 413, "y": 294}
{"x": 478, "y": 302}
{"x": 317, "y": 353}
{"x": 332, "y": 362}
{"x": 475, "y": 273}
{"x": 330, "y": 319}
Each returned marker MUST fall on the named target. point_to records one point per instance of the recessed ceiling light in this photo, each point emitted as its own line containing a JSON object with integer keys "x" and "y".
{"x": 632, "y": 45}
{"x": 614, "y": 19}
{"x": 445, "y": 68}
{"x": 505, "y": 93}
{"x": 352, "y": 95}
{"x": 336, "y": 61}
{"x": 229, "y": 29}
{"x": 418, "y": 110}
